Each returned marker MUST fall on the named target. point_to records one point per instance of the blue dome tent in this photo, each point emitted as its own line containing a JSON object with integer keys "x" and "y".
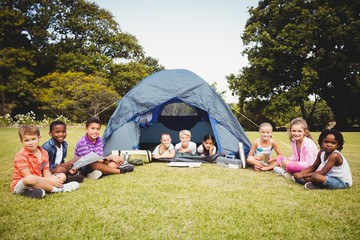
{"x": 169, "y": 101}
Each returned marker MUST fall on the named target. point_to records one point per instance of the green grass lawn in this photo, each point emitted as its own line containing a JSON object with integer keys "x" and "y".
{"x": 159, "y": 202}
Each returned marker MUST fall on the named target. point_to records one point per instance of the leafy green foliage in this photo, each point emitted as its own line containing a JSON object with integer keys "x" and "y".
{"x": 16, "y": 67}
{"x": 86, "y": 95}
{"x": 300, "y": 48}
{"x": 38, "y": 39}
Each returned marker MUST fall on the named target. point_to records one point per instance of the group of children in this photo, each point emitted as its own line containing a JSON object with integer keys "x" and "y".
{"x": 38, "y": 170}
{"x": 42, "y": 169}
{"x": 185, "y": 147}
{"x": 314, "y": 168}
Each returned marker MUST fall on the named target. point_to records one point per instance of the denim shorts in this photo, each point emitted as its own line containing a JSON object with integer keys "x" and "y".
{"x": 334, "y": 183}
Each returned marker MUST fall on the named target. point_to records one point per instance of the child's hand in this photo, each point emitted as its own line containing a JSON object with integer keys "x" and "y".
{"x": 67, "y": 165}
{"x": 55, "y": 181}
{"x": 183, "y": 150}
{"x": 118, "y": 159}
{"x": 73, "y": 171}
{"x": 297, "y": 175}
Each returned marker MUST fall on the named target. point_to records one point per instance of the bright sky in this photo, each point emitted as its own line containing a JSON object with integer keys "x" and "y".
{"x": 199, "y": 35}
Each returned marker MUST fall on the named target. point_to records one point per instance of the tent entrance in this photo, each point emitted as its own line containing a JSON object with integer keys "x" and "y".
{"x": 172, "y": 117}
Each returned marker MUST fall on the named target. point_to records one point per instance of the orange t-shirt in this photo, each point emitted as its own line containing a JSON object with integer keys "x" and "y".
{"x": 25, "y": 159}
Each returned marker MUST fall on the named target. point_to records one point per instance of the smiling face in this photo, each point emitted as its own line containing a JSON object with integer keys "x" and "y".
{"x": 184, "y": 139}
{"x": 208, "y": 144}
{"x": 31, "y": 142}
{"x": 329, "y": 143}
{"x": 93, "y": 131}
{"x": 165, "y": 140}
{"x": 297, "y": 132}
{"x": 265, "y": 132}
{"x": 58, "y": 133}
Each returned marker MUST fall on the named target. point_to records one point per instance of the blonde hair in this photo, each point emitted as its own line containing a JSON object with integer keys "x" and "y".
{"x": 300, "y": 121}
{"x": 28, "y": 130}
{"x": 265, "y": 124}
{"x": 185, "y": 132}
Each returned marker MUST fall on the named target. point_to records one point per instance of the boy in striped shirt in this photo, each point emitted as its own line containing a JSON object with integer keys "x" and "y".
{"x": 92, "y": 142}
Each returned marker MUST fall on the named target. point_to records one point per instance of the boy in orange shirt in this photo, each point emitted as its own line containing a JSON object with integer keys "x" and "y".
{"x": 31, "y": 174}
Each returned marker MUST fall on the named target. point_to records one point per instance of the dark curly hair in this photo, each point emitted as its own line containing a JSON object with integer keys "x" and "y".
{"x": 338, "y": 137}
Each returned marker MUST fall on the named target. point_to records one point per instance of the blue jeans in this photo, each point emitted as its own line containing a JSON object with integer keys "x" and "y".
{"x": 334, "y": 183}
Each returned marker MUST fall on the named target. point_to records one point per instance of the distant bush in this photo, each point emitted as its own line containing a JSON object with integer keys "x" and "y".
{"x": 30, "y": 118}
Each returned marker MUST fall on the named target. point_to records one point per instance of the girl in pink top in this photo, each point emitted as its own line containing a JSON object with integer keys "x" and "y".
{"x": 304, "y": 149}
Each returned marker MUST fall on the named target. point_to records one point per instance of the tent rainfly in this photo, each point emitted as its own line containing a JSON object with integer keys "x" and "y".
{"x": 169, "y": 101}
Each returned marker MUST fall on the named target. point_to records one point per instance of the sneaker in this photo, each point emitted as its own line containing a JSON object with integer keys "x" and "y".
{"x": 34, "y": 193}
{"x": 74, "y": 178}
{"x": 287, "y": 175}
{"x": 299, "y": 181}
{"x": 96, "y": 174}
{"x": 310, "y": 186}
{"x": 126, "y": 168}
{"x": 71, "y": 186}
{"x": 279, "y": 171}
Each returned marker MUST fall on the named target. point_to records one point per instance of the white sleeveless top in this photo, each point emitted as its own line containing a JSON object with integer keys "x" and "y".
{"x": 341, "y": 172}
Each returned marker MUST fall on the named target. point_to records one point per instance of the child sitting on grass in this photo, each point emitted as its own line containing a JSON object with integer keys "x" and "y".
{"x": 165, "y": 149}
{"x": 31, "y": 174}
{"x": 92, "y": 142}
{"x": 304, "y": 150}
{"x": 335, "y": 173}
{"x": 185, "y": 146}
{"x": 260, "y": 153}
{"x": 56, "y": 147}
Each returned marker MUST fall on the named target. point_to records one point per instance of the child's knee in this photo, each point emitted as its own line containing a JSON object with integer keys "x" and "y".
{"x": 318, "y": 178}
{"x": 250, "y": 160}
{"x": 61, "y": 177}
{"x": 30, "y": 180}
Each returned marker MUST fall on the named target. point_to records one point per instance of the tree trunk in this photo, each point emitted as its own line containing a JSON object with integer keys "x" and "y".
{"x": 335, "y": 94}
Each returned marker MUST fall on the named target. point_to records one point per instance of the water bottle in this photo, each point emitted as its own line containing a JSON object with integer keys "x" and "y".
{"x": 126, "y": 158}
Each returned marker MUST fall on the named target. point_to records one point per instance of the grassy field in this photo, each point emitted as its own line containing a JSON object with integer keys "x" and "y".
{"x": 159, "y": 202}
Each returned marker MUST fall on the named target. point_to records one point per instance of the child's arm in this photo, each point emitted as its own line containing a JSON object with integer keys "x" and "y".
{"x": 308, "y": 172}
{"x": 277, "y": 150}
{"x": 167, "y": 154}
{"x": 334, "y": 159}
{"x": 252, "y": 151}
{"x": 211, "y": 151}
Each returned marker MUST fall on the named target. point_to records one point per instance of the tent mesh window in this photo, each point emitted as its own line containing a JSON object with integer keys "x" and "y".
{"x": 178, "y": 116}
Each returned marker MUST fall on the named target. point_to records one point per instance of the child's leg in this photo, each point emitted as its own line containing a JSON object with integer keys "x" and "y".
{"x": 253, "y": 162}
{"x": 60, "y": 176}
{"x": 37, "y": 182}
{"x": 104, "y": 168}
{"x": 293, "y": 167}
{"x": 328, "y": 182}
{"x": 270, "y": 166}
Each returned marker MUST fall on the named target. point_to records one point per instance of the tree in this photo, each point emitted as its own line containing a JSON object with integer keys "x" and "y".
{"x": 16, "y": 67}
{"x": 41, "y": 37}
{"x": 74, "y": 94}
{"x": 125, "y": 76}
{"x": 299, "y": 48}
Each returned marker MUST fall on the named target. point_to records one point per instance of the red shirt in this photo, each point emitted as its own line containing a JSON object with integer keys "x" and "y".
{"x": 25, "y": 159}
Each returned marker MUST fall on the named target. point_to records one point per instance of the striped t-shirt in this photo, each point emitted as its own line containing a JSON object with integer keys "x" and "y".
{"x": 85, "y": 146}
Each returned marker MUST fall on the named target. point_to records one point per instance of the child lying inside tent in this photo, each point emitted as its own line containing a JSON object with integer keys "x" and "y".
{"x": 165, "y": 149}
{"x": 207, "y": 148}
{"x": 185, "y": 147}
